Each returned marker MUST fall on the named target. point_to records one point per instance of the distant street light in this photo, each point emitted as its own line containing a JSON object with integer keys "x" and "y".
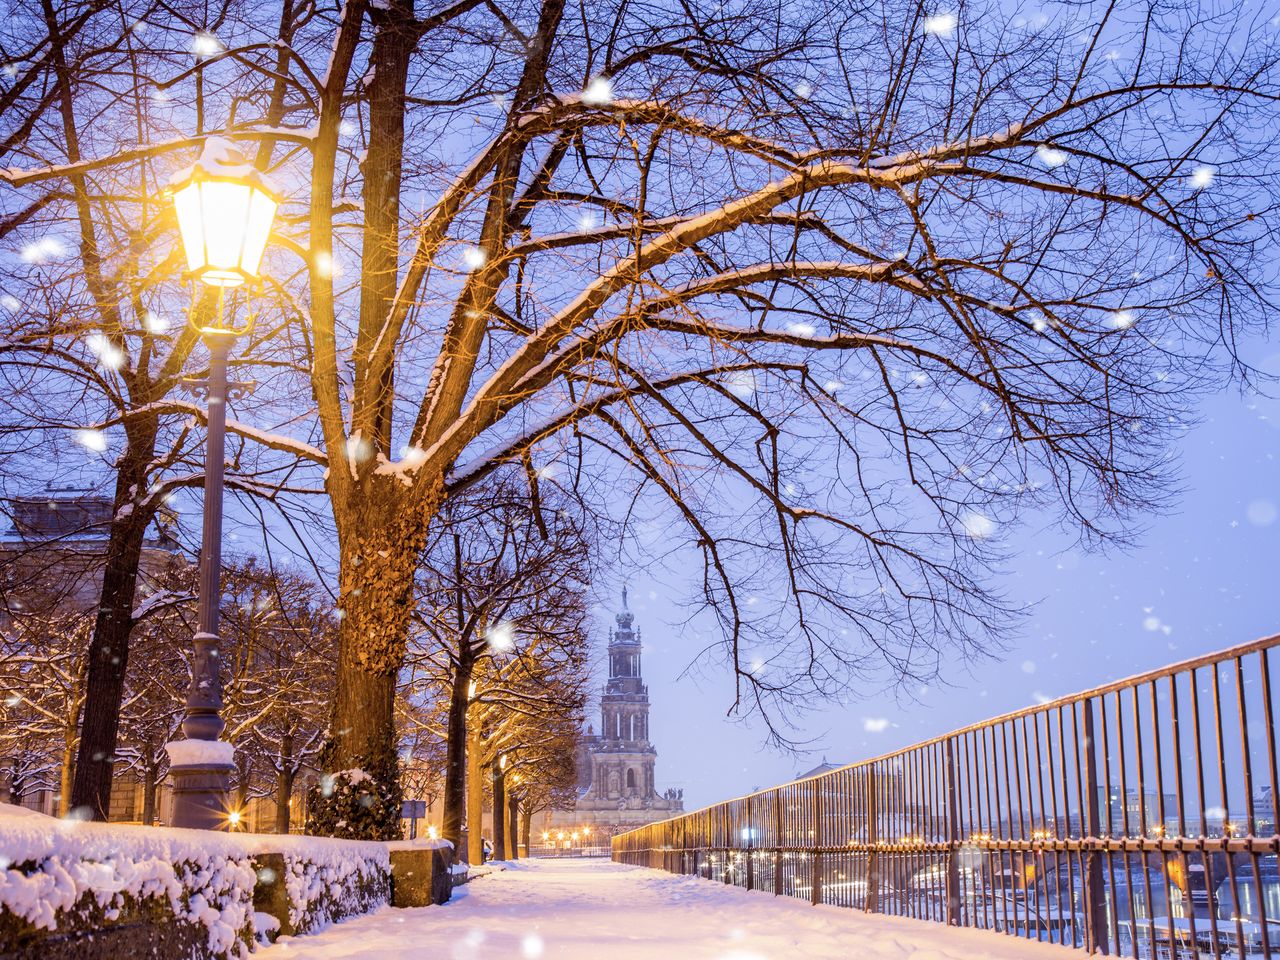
{"x": 225, "y": 208}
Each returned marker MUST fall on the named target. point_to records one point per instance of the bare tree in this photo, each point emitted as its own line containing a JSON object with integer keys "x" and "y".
{"x": 95, "y": 347}
{"x": 846, "y": 286}
{"x": 501, "y": 616}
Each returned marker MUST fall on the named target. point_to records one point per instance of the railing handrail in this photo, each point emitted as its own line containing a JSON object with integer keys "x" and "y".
{"x": 1193, "y": 663}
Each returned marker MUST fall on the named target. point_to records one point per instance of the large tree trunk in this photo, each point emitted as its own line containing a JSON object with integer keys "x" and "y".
{"x": 284, "y": 793}
{"x": 109, "y": 649}
{"x": 499, "y": 814}
{"x": 68, "y": 761}
{"x": 513, "y": 828}
{"x": 284, "y": 783}
{"x": 475, "y": 796}
{"x": 455, "y": 764}
{"x": 149, "y": 789}
{"x": 359, "y": 796}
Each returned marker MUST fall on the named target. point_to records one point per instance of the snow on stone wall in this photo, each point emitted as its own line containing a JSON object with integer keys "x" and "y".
{"x": 331, "y": 879}
{"x": 53, "y": 870}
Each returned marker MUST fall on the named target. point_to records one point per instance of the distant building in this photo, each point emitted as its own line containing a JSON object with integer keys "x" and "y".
{"x": 824, "y": 767}
{"x": 56, "y": 547}
{"x": 51, "y": 560}
{"x": 616, "y": 785}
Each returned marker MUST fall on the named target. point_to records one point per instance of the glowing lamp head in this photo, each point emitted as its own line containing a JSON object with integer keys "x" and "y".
{"x": 225, "y": 208}
{"x": 433, "y": 833}
{"x": 502, "y": 762}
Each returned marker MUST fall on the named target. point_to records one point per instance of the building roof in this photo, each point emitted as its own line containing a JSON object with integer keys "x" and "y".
{"x": 823, "y": 767}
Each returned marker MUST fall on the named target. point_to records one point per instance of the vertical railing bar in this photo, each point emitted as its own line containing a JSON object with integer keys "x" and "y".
{"x": 1124, "y": 827}
{"x": 1088, "y": 935}
{"x": 1037, "y": 852}
{"x": 1226, "y": 803}
{"x": 999, "y": 911}
{"x": 1161, "y": 831}
{"x": 1058, "y": 787}
{"x": 1108, "y": 854}
{"x": 1016, "y": 779}
{"x": 1205, "y": 858}
{"x": 974, "y": 825}
{"x": 1140, "y": 756}
{"x": 1095, "y": 895}
{"x": 1250, "y": 811}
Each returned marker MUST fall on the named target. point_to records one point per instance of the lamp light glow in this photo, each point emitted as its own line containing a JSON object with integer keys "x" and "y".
{"x": 225, "y": 209}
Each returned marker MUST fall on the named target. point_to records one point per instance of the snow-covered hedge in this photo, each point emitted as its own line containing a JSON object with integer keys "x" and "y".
{"x": 66, "y": 876}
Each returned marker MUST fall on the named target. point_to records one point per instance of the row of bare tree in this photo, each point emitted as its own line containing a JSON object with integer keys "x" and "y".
{"x": 277, "y": 677}
{"x": 817, "y": 297}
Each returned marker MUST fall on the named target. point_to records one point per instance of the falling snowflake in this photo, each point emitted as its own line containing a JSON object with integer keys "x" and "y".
{"x": 978, "y": 526}
{"x": 804, "y": 90}
{"x": 10, "y": 69}
{"x": 155, "y": 323}
{"x": 1122, "y": 319}
{"x": 90, "y": 439}
{"x": 347, "y": 129}
{"x": 10, "y": 302}
{"x": 741, "y": 383}
{"x": 802, "y": 329}
{"x": 358, "y": 449}
{"x": 1051, "y": 156}
{"x": 1201, "y": 177}
{"x": 205, "y": 44}
{"x": 531, "y": 947}
{"x": 107, "y": 352}
{"x": 875, "y": 724}
{"x": 599, "y": 91}
{"x": 941, "y": 24}
{"x": 1151, "y": 623}
{"x": 325, "y": 264}
{"x": 412, "y": 456}
{"x": 1261, "y": 513}
{"x": 1028, "y": 666}
{"x": 474, "y": 258}
{"x": 588, "y": 220}
{"x": 831, "y": 386}
{"x": 501, "y": 637}
{"x": 43, "y": 250}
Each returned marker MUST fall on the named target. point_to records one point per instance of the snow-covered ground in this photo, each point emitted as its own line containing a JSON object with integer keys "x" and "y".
{"x": 594, "y": 909}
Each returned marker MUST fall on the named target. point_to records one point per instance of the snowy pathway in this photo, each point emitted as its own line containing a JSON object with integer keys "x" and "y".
{"x": 597, "y": 910}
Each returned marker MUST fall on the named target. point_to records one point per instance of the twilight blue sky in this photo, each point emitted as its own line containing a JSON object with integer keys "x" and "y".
{"x": 1200, "y": 578}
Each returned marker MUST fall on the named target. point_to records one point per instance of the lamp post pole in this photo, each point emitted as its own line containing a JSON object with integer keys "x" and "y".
{"x": 225, "y": 207}
{"x": 202, "y": 781}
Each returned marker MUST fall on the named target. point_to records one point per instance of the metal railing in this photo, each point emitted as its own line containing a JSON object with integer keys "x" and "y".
{"x": 559, "y": 851}
{"x": 1135, "y": 819}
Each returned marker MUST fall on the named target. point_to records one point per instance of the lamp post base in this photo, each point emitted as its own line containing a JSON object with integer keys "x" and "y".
{"x": 201, "y": 796}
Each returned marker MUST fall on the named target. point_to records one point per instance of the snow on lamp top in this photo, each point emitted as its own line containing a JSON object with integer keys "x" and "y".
{"x": 225, "y": 208}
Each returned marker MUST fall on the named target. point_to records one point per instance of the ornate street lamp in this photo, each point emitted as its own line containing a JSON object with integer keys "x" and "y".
{"x": 225, "y": 208}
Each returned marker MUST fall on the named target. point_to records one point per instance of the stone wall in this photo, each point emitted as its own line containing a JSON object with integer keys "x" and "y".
{"x": 72, "y": 891}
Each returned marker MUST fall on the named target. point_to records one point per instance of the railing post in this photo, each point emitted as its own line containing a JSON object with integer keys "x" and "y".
{"x": 815, "y": 883}
{"x": 777, "y": 843}
{"x": 953, "y": 838}
{"x": 1095, "y": 898}
{"x": 751, "y": 867}
{"x": 873, "y": 837}
{"x": 726, "y": 834}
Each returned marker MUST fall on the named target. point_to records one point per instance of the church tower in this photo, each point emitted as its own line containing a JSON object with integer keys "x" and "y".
{"x": 624, "y": 708}
{"x": 616, "y": 789}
